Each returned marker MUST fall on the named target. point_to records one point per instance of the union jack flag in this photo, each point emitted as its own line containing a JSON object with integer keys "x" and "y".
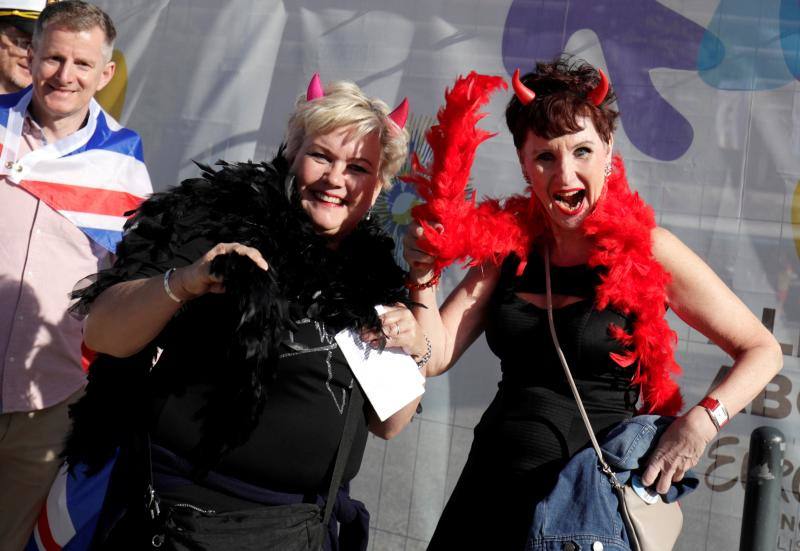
{"x": 92, "y": 177}
{"x": 69, "y": 517}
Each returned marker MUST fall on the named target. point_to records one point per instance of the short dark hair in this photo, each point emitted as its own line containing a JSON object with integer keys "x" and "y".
{"x": 561, "y": 87}
{"x": 76, "y": 15}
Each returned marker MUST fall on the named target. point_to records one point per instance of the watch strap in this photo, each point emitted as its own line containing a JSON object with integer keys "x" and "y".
{"x": 716, "y": 411}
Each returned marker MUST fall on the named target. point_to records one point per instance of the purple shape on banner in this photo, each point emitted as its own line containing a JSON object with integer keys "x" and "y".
{"x": 636, "y": 36}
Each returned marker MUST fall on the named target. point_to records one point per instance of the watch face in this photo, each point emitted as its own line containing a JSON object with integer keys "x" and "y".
{"x": 649, "y": 496}
{"x": 715, "y": 409}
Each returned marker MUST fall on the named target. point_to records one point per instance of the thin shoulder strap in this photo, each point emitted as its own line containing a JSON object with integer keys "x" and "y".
{"x": 354, "y": 409}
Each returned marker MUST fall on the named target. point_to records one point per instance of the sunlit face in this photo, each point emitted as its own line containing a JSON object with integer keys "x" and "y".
{"x": 68, "y": 68}
{"x": 337, "y": 177}
{"x": 567, "y": 173}
{"x": 14, "y": 74}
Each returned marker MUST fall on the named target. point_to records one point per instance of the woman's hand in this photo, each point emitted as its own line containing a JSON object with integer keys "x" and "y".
{"x": 679, "y": 449}
{"x": 420, "y": 263}
{"x": 196, "y": 279}
{"x": 400, "y": 330}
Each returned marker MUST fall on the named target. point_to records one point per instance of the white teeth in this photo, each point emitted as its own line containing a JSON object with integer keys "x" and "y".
{"x": 570, "y": 199}
{"x": 328, "y": 198}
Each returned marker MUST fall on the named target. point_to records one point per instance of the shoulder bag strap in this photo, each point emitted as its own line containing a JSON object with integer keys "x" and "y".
{"x": 615, "y": 484}
{"x": 354, "y": 409}
{"x": 606, "y": 469}
{"x": 342, "y": 455}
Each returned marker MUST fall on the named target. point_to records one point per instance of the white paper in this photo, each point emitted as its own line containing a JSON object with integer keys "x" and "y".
{"x": 390, "y": 378}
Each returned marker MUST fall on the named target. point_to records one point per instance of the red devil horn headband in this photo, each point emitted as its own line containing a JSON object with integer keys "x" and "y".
{"x": 599, "y": 92}
{"x": 526, "y": 95}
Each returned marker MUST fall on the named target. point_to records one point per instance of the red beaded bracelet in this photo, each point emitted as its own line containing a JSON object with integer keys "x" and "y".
{"x": 411, "y": 286}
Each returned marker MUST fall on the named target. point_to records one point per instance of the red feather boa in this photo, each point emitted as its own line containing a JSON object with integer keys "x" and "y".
{"x": 443, "y": 187}
{"x": 620, "y": 227}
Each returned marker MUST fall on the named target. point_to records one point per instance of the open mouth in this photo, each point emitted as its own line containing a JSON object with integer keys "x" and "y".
{"x": 570, "y": 201}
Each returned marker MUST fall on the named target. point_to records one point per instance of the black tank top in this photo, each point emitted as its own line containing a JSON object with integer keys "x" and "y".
{"x": 534, "y": 420}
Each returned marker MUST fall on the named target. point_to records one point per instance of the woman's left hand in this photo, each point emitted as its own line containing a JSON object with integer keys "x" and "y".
{"x": 400, "y": 330}
{"x": 679, "y": 449}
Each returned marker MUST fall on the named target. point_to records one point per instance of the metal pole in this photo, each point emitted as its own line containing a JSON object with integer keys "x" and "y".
{"x": 762, "y": 496}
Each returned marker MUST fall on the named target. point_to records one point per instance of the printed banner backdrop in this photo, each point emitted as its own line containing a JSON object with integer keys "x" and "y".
{"x": 710, "y": 132}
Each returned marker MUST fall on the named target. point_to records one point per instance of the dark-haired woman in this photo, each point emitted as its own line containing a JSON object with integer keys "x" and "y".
{"x": 216, "y": 330}
{"x": 614, "y": 272}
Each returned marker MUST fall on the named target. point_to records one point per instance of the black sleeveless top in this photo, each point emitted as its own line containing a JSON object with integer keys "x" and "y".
{"x": 532, "y": 426}
{"x": 534, "y": 419}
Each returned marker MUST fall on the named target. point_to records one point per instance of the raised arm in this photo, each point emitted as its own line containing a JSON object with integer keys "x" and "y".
{"x": 130, "y": 314}
{"x": 454, "y": 327}
{"x": 703, "y": 301}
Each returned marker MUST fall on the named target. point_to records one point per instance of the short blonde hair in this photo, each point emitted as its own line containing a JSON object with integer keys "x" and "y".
{"x": 76, "y": 16}
{"x": 343, "y": 105}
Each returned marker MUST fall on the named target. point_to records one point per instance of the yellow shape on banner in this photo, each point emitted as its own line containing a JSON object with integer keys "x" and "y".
{"x": 112, "y": 97}
{"x": 796, "y": 217}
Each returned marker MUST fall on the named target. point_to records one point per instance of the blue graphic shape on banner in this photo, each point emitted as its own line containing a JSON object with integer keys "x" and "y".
{"x": 750, "y": 45}
{"x": 637, "y": 36}
{"x": 790, "y": 35}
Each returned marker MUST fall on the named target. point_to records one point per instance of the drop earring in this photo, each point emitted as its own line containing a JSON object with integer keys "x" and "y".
{"x": 288, "y": 186}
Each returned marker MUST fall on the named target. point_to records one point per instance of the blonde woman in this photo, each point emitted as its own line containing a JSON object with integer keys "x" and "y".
{"x": 237, "y": 283}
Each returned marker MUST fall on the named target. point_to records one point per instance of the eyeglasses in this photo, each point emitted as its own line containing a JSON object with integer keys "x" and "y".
{"x": 18, "y": 40}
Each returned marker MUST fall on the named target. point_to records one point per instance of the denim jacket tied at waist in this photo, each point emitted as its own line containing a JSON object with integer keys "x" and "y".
{"x": 581, "y": 512}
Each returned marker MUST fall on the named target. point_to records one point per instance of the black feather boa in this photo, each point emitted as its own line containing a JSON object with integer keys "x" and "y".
{"x": 246, "y": 203}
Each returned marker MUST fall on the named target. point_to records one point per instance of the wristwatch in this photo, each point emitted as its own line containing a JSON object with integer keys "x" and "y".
{"x": 715, "y": 410}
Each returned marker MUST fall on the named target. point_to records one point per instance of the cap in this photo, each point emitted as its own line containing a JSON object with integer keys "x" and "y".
{"x": 22, "y": 14}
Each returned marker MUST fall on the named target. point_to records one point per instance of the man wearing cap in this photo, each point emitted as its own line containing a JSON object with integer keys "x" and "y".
{"x": 17, "y": 19}
{"x": 68, "y": 173}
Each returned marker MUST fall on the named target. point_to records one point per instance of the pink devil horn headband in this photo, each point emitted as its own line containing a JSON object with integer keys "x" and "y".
{"x": 523, "y": 93}
{"x": 599, "y": 92}
{"x": 400, "y": 114}
{"x": 314, "y": 88}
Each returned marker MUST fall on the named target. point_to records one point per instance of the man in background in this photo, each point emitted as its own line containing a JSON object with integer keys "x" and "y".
{"x": 68, "y": 173}
{"x": 17, "y": 19}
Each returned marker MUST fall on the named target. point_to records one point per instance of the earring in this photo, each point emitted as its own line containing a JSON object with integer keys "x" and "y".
{"x": 369, "y": 214}
{"x": 608, "y": 170}
{"x": 288, "y": 186}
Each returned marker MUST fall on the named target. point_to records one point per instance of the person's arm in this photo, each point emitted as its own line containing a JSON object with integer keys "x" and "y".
{"x": 128, "y": 315}
{"x": 399, "y": 330}
{"x": 449, "y": 333}
{"x": 703, "y": 301}
{"x": 454, "y": 327}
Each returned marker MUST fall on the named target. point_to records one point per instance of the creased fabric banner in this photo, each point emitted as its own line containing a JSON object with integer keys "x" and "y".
{"x": 710, "y": 131}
